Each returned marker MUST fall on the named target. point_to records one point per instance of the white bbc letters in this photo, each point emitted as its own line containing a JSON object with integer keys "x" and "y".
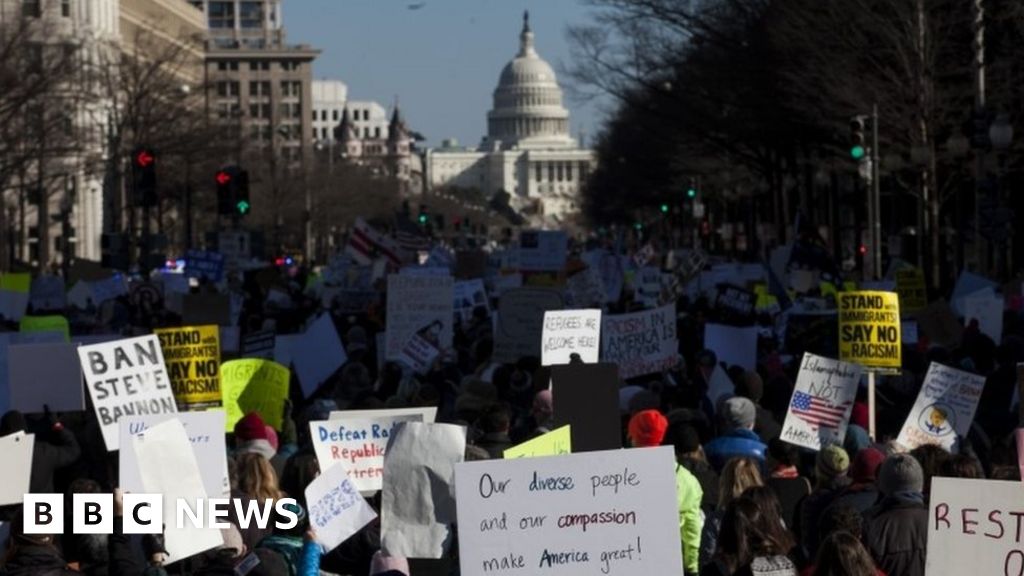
{"x": 92, "y": 513}
{"x": 44, "y": 513}
{"x": 143, "y": 514}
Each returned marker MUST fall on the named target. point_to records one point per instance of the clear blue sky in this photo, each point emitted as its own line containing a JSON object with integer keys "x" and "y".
{"x": 442, "y": 60}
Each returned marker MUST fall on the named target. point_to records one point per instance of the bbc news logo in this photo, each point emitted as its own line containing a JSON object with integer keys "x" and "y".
{"x": 144, "y": 513}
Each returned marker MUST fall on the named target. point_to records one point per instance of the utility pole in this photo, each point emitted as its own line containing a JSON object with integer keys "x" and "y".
{"x": 979, "y": 111}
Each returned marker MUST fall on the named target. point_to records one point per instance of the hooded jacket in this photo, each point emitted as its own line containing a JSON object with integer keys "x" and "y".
{"x": 689, "y": 495}
{"x": 35, "y": 560}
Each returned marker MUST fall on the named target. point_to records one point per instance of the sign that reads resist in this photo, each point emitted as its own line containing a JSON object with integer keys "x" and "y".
{"x": 869, "y": 329}
{"x": 568, "y": 332}
{"x": 611, "y": 512}
{"x": 972, "y": 527}
{"x": 358, "y": 445}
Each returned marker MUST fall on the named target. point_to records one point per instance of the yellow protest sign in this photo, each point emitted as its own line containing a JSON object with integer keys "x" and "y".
{"x": 192, "y": 356}
{"x": 910, "y": 287}
{"x": 554, "y": 443}
{"x": 869, "y": 329}
{"x": 54, "y": 323}
{"x": 254, "y": 385}
{"x": 16, "y": 282}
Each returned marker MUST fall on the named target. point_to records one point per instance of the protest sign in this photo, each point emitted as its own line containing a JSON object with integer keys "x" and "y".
{"x": 911, "y": 289}
{"x": 869, "y": 330}
{"x": 819, "y": 411}
{"x": 45, "y": 375}
{"x": 419, "y": 305}
{"x": 643, "y": 256}
{"x": 146, "y": 297}
{"x": 204, "y": 264}
{"x": 205, "y": 433}
{"x": 201, "y": 309}
{"x": 944, "y": 408}
{"x": 642, "y": 342}
{"x": 521, "y": 322}
{"x": 230, "y": 340}
{"x": 108, "y": 289}
{"x": 470, "y": 263}
{"x": 14, "y": 295}
{"x": 318, "y": 353}
{"x": 735, "y": 303}
{"x": 985, "y": 307}
{"x": 585, "y": 289}
{"x": 558, "y": 442}
{"x": 167, "y": 465}
{"x": 336, "y": 509}
{"x": 908, "y": 332}
{"x": 469, "y": 294}
{"x": 612, "y": 268}
{"x": 47, "y": 293}
{"x": 16, "y": 453}
{"x": 418, "y": 496}
{"x": 586, "y": 397}
{"x": 259, "y": 345}
{"x": 732, "y": 345}
{"x": 253, "y": 385}
{"x": 192, "y": 354}
{"x": 419, "y": 354}
{"x": 647, "y": 287}
{"x": 542, "y": 250}
{"x": 940, "y": 325}
{"x": 610, "y": 512}
{"x": 968, "y": 283}
{"x": 357, "y": 445}
{"x": 54, "y": 323}
{"x": 971, "y": 527}
{"x": 126, "y": 378}
{"x": 720, "y": 386}
{"x": 427, "y": 414}
{"x": 7, "y": 339}
{"x": 568, "y": 332}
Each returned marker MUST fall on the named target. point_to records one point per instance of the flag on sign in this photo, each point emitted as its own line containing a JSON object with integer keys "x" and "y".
{"x": 818, "y": 412}
{"x": 410, "y": 238}
{"x": 365, "y": 244}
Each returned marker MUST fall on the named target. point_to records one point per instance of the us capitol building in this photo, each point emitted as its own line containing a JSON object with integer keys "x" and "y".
{"x": 527, "y": 152}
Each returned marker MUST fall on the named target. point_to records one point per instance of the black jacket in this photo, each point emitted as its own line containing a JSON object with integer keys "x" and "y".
{"x": 896, "y": 534}
{"x": 47, "y": 457}
{"x": 36, "y": 560}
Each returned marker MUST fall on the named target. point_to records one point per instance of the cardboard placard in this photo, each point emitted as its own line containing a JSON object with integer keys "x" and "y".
{"x": 822, "y": 402}
{"x": 944, "y": 409}
{"x": 357, "y": 445}
{"x": 253, "y": 385}
{"x": 558, "y": 442}
{"x": 940, "y": 325}
{"x": 568, "y": 332}
{"x": 869, "y": 330}
{"x": 192, "y": 354}
{"x": 201, "y": 309}
{"x": 259, "y": 345}
{"x": 971, "y": 527}
{"x": 912, "y": 290}
{"x": 206, "y": 435}
{"x": 204, "y": 264}
{"x": 14, "y": 295}
{"x": 586, "y": 397}
{"x": 419, "y": 305}
{"x": 45, "y": 375}
{"x": 47, "y": 293}
{"x": 336, "y": 509}
{"x": 642, "y": 342}
{"x": 732, "y": 345}
{"x": 521, "y": 322}
{"x": 542, "y": 250}
{"x": 468, "y": 295}
{"x": 986, "y": 307}
{"x": 16, "y": 452}
{"x": 318, "y": 353}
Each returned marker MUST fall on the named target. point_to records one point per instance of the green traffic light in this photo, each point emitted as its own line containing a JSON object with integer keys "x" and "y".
{"x": 423, "y": 218}
{"x": 638, "y": 226}
{"x": 857, "y": 152}
{"x": 691, "y": 193}
{"x": 243, "y": 207}
{"x": 664, "y": 208}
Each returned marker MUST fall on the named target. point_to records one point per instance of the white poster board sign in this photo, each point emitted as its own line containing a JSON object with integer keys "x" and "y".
{"x": 357, "y": 445}
{"x": 971, "y": 527}
{"x": 986, "y": 307}
{"x": 336, "y": 509}
{"x": 419, "y": 305}
{"x": 317, "y": 354}
{"x": 206, "y": 434}
{"x": 543, "y": 250}
{"x": 428, "y": 414}
{"x": 568, "y": 332}
{"x": 610, "y": 512}
{"x": 944, "y": 408}
{"x": 732, "y": 345}
{"x": 642, "y": 342}
{"x": 822, "y": 402}
{"x": 16, "y": 454}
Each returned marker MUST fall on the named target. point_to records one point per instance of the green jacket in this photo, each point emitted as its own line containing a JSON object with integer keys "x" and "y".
{"x": 689, "y": 494}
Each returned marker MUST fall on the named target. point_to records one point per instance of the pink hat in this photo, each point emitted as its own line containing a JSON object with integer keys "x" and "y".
{"x": 272, "y": 436}
{"x": 382, "y": 564}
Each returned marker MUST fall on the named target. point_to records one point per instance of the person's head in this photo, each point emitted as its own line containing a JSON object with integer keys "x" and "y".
{"x": 843, "y": 554}
{"x": 768, "y": 502}
{"x": 251, "y": 427}
{"x": 684, "y": 439}
{"x": 864, "y": 469}
{"x": 738, "y": 413}
{"x": 647, "y": 428}
{"x": 931, "y": 458}
{"x": 745, "y": 534}
{"x": 496, "y": 420}
{"x": 301, "y": 525}
{"x": 256, "y": 477}
{"x": 840, "y": 518}
{"x": 831, "y": 463}
{"x": 900, "y": 473}
{"x": 961, "y": 466}
{"x": 543, "y": 408}
{"x": 750, "y": 385}
{"x": 738, "y": 475}
{"x": 782, "y": 453}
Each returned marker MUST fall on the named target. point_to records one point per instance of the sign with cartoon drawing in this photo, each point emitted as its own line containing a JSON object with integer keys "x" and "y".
{"x": 944, "y": 409}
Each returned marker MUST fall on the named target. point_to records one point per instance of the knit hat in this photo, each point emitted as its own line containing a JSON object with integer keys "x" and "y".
{"x": 381, "y": 564}
{"x": 865, "y": 465}
{"x": 271, "y": 436}
{"x": 832, "y": 461}
{"x": 859, "y": 415}
{"x": 751, "y": 386}
{"x": 647, "y": 428}
{"x": 684, "y": 437}
{"x": 251, "y": 427}
{"x": 738, "y": 413}
{"x": 900, "y": 473}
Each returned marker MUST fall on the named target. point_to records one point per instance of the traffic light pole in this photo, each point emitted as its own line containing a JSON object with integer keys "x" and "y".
{"x": 875, "y": 201}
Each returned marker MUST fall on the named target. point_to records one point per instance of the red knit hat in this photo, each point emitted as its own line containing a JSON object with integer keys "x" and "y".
{"x": 251, "y": 427}
{"x": 859, "y": 415}
{"x": 866, "y": 464}
{"x": 647, "y": 428}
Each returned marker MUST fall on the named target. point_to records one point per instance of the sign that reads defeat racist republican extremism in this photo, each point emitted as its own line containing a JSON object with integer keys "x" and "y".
{"x": 357, "y": 445}
{"x": 944, "y": 409}
{"x": 973, "y": 527}
{"x": 642, "y": 342}
{"x": 869, "y": 330}
{"x": 126, "y": 378}
{"x": 192, "y": 354}
{"x": 611, "y": 513}
{"x": 819, "y": 411}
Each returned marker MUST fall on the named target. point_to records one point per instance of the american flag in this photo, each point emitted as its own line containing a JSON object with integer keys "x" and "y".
{"x": 365, "y": 244}
{"x": 818, "y": 412}
{"x": 410, "y": 238}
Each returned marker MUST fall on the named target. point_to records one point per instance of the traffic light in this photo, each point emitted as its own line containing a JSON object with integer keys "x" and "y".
{"x": 664, "y": 208}
{"x": 225, "y": 180}
{"x": 858, "y": 143}
{"x": 424, "y": 218}
{"x": 691, "y": 190}
{"x": 144, "y": 176}
{"x": 242, "y": 205}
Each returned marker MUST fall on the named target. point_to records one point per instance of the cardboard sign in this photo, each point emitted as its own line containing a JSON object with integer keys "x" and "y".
{"x": 734, "y": 302}
{"x": 419, "y": 305}
{"x": 200, "y": 309}
{"x": 940, "y": 325}
{"x": 14, "y": 295}
{"x": 47, "y": 293}
{"x": 720, "y": 386}
{"x": 336, "y": 509}
{"x": 109, "y": 289}
{"x": 968, "y": 283}
{"x": 734, "y": 346}
{"x": 585, "y": 289}
{"x": 869, "y": 330}
{"x": 558, "y": 442}
{"x": 543, "y": 251}
{"x": 469, "y": 294}
{"x": 357, "y": 445}
{"x": 55, "y": 323}
{"x": 986, "y": 307}
{"x": 318, "y": 354}
{"x": 168, "y": 466}
{"x": 642, "y": 342}
{"x": 944, "y": 409}
{"x": 204, "y": 264}
{"x": 568, "y": 332}
{"x": 205, "y": 433}
{"x": 647, "y": 287}
{"x": 419, "y": 354}
{"x": 427, "y": 414}
{"x": 251, "y": 385}
{"x": 971, "y": 527}
{"x": 259, "y": 345}
{"x": 911, "y": 289}
{"x": 586, "y": 397}
{"x": 126, "y": 378}
{"x": 608, "y": 512}
{"x": 521, "y": 322}
{"x": 416, "y": 513}
{"x": 16, "y": 452}
{"x": 192, "y": 354}
{"x": 822, "y": 401}
{"x": 45, "y": 375}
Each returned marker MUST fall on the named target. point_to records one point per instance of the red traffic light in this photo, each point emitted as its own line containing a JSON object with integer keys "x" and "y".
{"x": 223, "y": 177}
{"x": 144, "y": 158}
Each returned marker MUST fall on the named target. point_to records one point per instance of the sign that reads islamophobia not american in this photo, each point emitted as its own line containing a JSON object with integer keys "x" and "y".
{"x": 869, "y": 330}
{"x": 192, "y": 354}
{"x": 126, "y": 378}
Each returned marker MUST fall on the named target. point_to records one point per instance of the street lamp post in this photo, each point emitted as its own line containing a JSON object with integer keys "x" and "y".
{"x": 1000, "y": 134}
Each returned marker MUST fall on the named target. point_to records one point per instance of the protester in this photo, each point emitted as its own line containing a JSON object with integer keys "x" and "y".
{"x": 54, "y": 449}
{"x": 785, "y": 479}
{"x": 495, "y": 424}
{"x": 748, "y": 544}
{"x": 842, "y": 554}
{"x": 751, "y": 386}
{"x": 738, "y": 475}
{"x": 896, "y": 529}
{"x": 862, "y": 492}
{"x": 690, "y": 455}
{"x": 737, "y": 419}
{"x": 831, "y": 466}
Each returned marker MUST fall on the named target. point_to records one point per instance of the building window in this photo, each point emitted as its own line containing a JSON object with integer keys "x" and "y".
{"x": 334, "y": 115}
{"x": 568, "y": 171}
{"x": 222, "y": 15}
{"x": 227, "y": 89}
{"x": 259, "y": 88}
{"x": 559, "y": 171}
{"x": 227, "y": 66}
{"x": 30, "y": 8}
{"x": 65, "y": 8}
{"x": 289, "y": 65}
{"x": 539, "y": 172}
{"x": 250, "y": 14}
{"x": 376, "y": 132}
{"x": 256, "y": 65}
{"x": 551, "y": 171}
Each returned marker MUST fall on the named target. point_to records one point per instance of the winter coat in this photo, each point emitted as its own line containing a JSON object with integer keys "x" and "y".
{"x": 689, "y": 494}
{"x": 896, "y": 534}
{"x": 790, "y": 492}
{"x": 302, "y": 558}
{"x": 708, "y": 482}
{"x": 739, "y": 442}
{"x": 36, "y": 560}
{"x": 49, "y": 456}
{"x": 811, "y": 510}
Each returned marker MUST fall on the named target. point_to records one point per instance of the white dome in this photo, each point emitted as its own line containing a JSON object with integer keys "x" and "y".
{"x": 528, "y": 109}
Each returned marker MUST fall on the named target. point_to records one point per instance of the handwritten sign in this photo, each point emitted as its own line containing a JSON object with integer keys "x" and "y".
{"x": 608, "y": 513}
{"x": 568, "y": 332}
{"x": 971, "y": 527}
{"x": 732, "y": 345}
{"x": 419, "y": 305}
{"x": 192, "y": 354}
{"x": 555, "y": 443}
{"x": 126, "y": 378}
{"x": 204, "y": 264}
{"x": 253, "y": 385}
{"x": 642, "y": 342}
{"x": 819, "y": 411}
{"x": 521, "y": 322}
{"x": 911, "y": 289}
{"x": 468, "y": 295}
{"x": 869, "y": 329}
{"x": 205, "y": 433}
{"x": 734, "y": 302}
{"x": 944, "y": 408}
{"x": 336, "y": 509}
{"x": 358, "y": 445}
